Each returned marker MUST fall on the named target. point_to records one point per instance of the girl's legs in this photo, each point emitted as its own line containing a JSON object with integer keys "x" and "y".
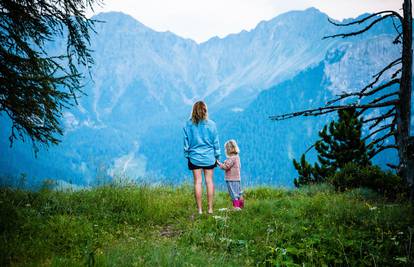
{"x": 208, "y": 175}
{"x": 241, "y": 198}
{"x": 198, "y": 189}
{"x": 235, "y": 194}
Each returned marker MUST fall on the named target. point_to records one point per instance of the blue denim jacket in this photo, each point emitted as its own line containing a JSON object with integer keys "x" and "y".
{"x": 201, "y": 142}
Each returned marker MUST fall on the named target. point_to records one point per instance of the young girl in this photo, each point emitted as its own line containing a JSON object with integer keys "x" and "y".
{"x": 231, "y": 166}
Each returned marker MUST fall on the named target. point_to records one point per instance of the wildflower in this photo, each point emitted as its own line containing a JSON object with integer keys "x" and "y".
{"x": 223, "y": 209}
{"x": 372, "y": 208}
{"x": 218, "y": 217}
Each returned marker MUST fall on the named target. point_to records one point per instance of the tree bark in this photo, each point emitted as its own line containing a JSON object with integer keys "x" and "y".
{"x": 410, "y": 164}
{"x": 402, "y": 136}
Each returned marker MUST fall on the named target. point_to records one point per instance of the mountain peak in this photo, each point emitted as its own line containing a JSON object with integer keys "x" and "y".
{"x": 312, "y": 9}
{"x": 309, "y": 12}
{"x": 120, "y": 18}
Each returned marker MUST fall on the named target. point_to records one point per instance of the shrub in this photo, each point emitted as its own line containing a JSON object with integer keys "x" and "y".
{"x": 353, "y": 176}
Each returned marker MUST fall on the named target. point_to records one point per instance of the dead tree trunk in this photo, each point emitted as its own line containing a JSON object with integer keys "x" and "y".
{"x": 402, "y": 136}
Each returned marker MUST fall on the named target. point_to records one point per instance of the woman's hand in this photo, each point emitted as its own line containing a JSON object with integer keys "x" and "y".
{"x": 218, "y": 162}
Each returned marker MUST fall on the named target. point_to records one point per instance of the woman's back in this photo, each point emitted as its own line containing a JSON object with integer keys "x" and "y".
{"x": 201, "y": 144}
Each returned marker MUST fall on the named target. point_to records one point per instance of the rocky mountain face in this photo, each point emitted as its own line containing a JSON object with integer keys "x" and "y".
{"x": 144, "y": 83}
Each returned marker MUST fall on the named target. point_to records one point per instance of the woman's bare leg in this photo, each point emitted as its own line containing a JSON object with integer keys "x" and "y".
{"x": 198, "y": 189}
{"x": 208, "y": 175}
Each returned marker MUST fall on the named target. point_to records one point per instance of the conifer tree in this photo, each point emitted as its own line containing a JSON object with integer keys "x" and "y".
{"x": 305, "y": 171}
{"x": 340, "y": 143}
{"x": 35, "y": 86}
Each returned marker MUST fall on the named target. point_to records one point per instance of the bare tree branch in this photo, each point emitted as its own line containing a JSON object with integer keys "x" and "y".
{"x": 383, "y": 138}
{"x": 392, "y": 64}
{"x": 382, "y": 128}
{"x": 360, "y": 21}
{"x": 377, "y": 89}
{"x": 378, "y": 99}
{"x": 344, "y": 35}
{"x": 382, "y": 148}
{"x": 392, "y": 166}
{"x": 382, "y": 117}
{"x": 396, "y": 26}
{"x": 329, "y": 109}
{"x": 362, "y": 93}
{"x": 397, "y": 39}
{"x": 396, "y": 73}
{"x": 307, "y": 150}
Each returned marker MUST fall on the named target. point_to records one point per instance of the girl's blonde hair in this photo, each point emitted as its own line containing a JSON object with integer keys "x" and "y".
{"x": 231, "y": 148}
{"x": 199, "y": 112}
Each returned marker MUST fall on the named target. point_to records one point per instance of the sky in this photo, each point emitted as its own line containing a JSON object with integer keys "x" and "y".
{"x": 202, "y": 19}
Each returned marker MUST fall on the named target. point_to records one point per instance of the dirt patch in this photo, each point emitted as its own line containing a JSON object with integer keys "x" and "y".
{"x": 169, "y": 231}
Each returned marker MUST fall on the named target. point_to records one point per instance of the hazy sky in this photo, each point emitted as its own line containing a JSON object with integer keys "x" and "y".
{"x": 203, "y": 19}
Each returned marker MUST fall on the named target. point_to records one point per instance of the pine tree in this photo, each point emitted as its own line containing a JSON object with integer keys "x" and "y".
{"x": 304, "y": 170}
{"x": 34, "y": 86}
{"x": 340, "y": 143}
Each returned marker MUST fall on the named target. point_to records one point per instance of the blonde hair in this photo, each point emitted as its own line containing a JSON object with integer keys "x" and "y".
{"x": 200, "y": 112}
{"x": 231, "y": 148}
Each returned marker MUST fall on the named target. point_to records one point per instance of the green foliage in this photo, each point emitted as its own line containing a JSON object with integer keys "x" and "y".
{"x": 309, "y": 175}
{"x": 158, "y": 226}
{"x": 354, "y": 175}
{"x": 304, "y": 170}
{"x": 36, "y": 86}
{"x": 340, "y": 143}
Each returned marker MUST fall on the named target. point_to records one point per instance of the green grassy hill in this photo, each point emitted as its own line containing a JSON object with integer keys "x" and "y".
{"x": 157, "y": 226}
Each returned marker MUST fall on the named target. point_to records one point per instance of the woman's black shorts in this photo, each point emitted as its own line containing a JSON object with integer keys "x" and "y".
{"x": 191, "y": 166}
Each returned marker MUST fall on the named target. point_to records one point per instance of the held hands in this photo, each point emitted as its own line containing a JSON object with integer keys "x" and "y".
{"x": 218, "y": 162}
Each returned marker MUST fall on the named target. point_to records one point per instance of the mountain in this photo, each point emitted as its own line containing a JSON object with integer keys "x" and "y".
{"x": 280, "y": 142}
{"x": 144, "y": 83}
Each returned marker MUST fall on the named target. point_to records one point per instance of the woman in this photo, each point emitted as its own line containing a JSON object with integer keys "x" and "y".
{"x": 202, "y": 149}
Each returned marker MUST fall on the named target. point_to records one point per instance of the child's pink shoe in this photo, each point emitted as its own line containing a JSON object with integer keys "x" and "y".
{"x": 241, "y": 203}
{"x": 236, "y": 203}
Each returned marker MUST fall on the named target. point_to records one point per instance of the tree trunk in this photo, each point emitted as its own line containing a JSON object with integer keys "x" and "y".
{"x": 405, "y": 151}
{"x": 410, "y": 164}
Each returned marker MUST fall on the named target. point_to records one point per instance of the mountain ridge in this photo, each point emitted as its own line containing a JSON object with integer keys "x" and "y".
{"x": 242, "y": 31}
{"x": 145, "y": 82}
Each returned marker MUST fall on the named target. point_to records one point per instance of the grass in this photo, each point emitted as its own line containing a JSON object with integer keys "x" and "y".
{"x": 157, "y": 226}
